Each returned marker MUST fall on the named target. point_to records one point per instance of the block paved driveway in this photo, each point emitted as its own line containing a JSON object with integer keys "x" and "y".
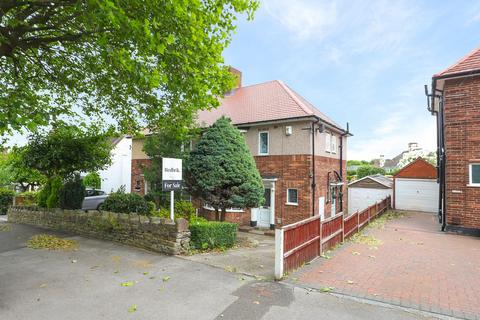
{"x": 416, "y": 266}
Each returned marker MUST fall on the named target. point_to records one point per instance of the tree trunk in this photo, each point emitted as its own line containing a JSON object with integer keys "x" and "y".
{"x": 222, "y": 217}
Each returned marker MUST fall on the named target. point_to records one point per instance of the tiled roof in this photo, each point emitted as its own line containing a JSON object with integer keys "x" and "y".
{"x": 471, "y": 62}
{"x": 266, "y": 101}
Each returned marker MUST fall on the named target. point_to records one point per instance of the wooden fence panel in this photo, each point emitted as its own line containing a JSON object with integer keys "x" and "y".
{"x": 350, "y": 225}
{"x": 301, "y": 242}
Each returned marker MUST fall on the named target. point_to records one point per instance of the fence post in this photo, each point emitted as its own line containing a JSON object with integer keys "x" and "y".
{"x": 279, "y": 264}
{"x": 343, "y": 227}
{"x": 376, "y": 208}
{"x": 358, "y": 220}
{"x": 320, "y": 239}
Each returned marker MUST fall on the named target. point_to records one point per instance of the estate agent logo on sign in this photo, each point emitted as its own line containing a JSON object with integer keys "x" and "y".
{"x": 171, "y": 174}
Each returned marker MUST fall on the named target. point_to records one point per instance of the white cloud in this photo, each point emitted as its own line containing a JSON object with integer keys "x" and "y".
{"x": 303, "y": 18}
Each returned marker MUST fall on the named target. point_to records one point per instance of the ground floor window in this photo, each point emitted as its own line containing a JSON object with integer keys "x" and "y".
{"x": 292, "y": 196}
{"x": 475, "y": 174}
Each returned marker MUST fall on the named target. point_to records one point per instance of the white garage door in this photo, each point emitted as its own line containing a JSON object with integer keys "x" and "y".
{"x": 362, "y": 198}
{"x": 416, "y": 194}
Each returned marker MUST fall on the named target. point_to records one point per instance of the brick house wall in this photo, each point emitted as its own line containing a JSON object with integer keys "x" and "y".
{"x": 462, "y": 146}
{"x": 138, "y": 180}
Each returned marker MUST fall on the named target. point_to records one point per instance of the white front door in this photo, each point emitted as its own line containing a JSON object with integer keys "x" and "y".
{"x": 265, "y": 210}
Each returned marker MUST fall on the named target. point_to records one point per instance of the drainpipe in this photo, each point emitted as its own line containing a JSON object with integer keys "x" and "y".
{"x": 440, "y": 148}
{"x": 314, "y": 180}
{"x": 346, "y": 133}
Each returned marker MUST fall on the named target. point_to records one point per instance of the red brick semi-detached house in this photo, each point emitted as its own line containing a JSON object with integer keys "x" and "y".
{"x": 455, "y": 100}
{"x": 299, "y": 151}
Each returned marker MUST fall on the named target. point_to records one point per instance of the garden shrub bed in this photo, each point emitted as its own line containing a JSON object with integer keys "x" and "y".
{"x": 213, "y": 234}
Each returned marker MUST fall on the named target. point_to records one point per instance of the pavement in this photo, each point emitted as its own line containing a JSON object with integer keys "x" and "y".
{"x": 87, "y": 284}
{"x": 254, "y": 256}
{"x": 414, "y": 266}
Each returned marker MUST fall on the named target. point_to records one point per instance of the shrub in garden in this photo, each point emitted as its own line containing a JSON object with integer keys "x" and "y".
{"x": 43, "y": 194}
{"x": 213, "y": 234}
{"x": 6, "y": 199}
{"x": 126, "y": 203}
{"x": 30, "y": 198}
{"x": 152, "y": 207}
{"x": 55, "y": 186}
{"x": 72, "y": 193}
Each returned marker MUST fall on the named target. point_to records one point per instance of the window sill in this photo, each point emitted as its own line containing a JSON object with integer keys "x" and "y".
{"x": 475, "y": 185}
{"x": 263, "y": 154}
{"x": 228, "y": 210}
{"x": 291, "y": 204}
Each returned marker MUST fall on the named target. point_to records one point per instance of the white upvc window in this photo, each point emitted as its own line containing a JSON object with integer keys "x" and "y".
{"x": 328, "y": 143}
{"x": 292, "y": 196}
{"x": 333, "y": 144}
{"x": 474, "y": 174}
{"x": 263, "y": 142}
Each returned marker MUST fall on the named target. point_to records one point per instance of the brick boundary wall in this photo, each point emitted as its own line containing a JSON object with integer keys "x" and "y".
{"x": 152, "y": 233}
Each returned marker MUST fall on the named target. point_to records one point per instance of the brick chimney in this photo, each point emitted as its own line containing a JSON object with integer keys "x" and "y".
{"x": 238, "y": 75}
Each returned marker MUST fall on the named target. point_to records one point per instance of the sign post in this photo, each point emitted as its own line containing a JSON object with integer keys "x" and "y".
{"x": 171, "y": 179}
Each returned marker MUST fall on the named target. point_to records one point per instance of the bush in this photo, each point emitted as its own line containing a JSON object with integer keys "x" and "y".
{"x": 52, "y": 199}
{"x": 213, "y": 234}
{"x": 43, "y": 194}
{"x": 6, "y": 199}
{"x": 29, "y": 198}
{"x": 71, "y": 194}
{"x": 152, "y": 207}
{"x": 126, "y": 203}
{"x": 183, "y": 209}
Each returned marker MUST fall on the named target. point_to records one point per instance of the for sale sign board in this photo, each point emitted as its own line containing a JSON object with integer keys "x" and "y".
{"x": 171, "y": 174}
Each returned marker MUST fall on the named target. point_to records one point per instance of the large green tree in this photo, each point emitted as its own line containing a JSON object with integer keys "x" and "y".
{"x": 127, "y": 60}
{"x": 221, "y": 170}
{"x": 66, "y": 150}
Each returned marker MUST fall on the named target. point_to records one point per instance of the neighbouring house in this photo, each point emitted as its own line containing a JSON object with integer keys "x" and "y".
{"x": 413, "y": 152}
{"x": 368, "y": 190}
{"x": 118, "y": 173}
{"x": 299, "y": 151}
{"x": 415, "y": 187}
{"x": 455, "y": 101}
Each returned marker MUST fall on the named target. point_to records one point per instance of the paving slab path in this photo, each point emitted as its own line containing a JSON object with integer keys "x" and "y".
{"x": 415, "y": 266}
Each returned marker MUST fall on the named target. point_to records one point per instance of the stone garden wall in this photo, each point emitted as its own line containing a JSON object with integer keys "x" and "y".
{"x": 152, "y": 233}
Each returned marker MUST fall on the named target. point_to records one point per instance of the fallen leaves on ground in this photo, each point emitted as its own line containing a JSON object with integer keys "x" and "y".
{"x": 43, "y": 285}
{"x": 5, "y": 227}
{"x": 356, "y": 253}
{"x": 367, "y": 239}
{"x": 46, "y": 241}
{"x": 127, "y": 284}
{"x": 165, "y": 279}
{"x": 230, "y": 269}
{"x": 132, "y": 308}
{"x": 380, "y": 222}
{"x": 325, "y": 256}
{"x": 350, "y": 282}
{"x": 326, "y": 289}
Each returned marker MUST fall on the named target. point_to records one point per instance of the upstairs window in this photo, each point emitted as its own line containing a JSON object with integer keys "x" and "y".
{"x": 475, "y": 174}
{"x": 333, "y": 145}
{"x": 328, "y": 143}
{"x": 263, "y": 143}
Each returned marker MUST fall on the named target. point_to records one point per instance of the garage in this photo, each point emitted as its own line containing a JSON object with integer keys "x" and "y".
{"x": 416, "y": 187}
{"x": 366, "y": 191}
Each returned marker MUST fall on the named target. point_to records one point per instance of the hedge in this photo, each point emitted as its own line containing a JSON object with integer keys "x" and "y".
{"x": 126, "y": 203}
{"x": 6, "y": 200}
{"x": 213, "y": 234}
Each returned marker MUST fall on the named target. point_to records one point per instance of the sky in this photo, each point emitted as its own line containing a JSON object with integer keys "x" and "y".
{"x": 361, "y": 62}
